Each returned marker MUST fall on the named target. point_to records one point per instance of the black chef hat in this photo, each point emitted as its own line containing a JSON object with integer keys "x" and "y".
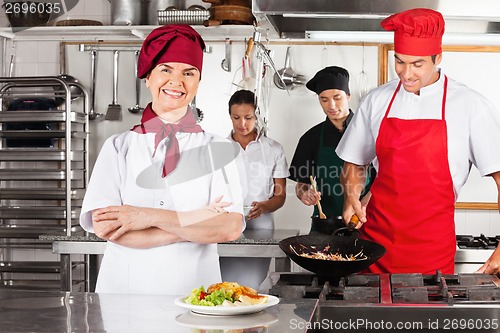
{"x": 331, "y": 77}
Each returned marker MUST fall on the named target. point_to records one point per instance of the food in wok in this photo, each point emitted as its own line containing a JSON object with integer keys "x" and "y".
{"x": 340, "y": 244}
{"x": 326, "y": 254}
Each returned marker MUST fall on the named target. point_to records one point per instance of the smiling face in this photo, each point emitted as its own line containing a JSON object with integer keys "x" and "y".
{"x": 173, "y": 86}
{"x": 416, "y": 72}
{"x": 243, "y": 119}
{"x": 335, "y": 104}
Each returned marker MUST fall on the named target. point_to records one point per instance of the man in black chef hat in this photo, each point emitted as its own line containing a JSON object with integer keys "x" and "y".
{"x": 315, "y": 153}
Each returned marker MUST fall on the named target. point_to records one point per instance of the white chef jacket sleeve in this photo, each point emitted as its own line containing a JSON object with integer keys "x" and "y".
{"x": 227, "y": 181}
{"x": 103, "y": 188}
{"x": 485, "y": 136}
{"x": 281, "y": 165}
{"x": 358, "y": 142}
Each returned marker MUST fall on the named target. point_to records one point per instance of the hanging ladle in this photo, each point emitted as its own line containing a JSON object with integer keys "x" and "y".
{"x": 286, "y": 77}
{"x": 93, "y": 115}
{"x": 137, "y": 108}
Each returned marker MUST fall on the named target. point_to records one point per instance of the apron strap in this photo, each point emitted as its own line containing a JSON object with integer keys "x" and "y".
{"x": 443, "y": 107}
{"x": 392, "y": 100}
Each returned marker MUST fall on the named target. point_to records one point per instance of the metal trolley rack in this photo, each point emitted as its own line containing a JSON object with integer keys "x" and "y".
{"x": 44, "y": 131}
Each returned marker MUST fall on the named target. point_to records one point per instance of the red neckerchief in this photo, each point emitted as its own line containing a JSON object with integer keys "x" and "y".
{"x": 151, "y": 123}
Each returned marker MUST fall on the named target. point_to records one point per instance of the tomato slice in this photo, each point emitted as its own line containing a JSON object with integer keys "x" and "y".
{"x": 203, "y": 294}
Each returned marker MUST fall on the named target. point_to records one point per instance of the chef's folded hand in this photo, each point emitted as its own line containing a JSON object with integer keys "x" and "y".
{"x": 113, "y": 221}
{"x": 492, "y": 265}
{"x": 217, "y": 206}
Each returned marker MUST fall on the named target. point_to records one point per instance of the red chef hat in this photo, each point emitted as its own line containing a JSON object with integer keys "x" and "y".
{"x": 170, "y": 43}
{"x": 417, "y": 32}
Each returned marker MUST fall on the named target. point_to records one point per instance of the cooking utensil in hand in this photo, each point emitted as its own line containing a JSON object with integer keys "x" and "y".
{"x": 93, "y": 115}
{"x": 137, "y": 108}
{"x": 313, "y": 184}
{"x": 114, "y": 109}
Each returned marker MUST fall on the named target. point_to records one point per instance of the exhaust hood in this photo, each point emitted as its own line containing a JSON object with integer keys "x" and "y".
{"x": 296, "y": 18}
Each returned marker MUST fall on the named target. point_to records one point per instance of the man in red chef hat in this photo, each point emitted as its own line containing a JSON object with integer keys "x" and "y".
{"x": 423, "y": 131}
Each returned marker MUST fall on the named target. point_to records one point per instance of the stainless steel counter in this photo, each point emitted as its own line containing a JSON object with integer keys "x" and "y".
{"x": 469, "y": 260}
{"x": 253, "y": 243}
{"x": 54, "y": 312}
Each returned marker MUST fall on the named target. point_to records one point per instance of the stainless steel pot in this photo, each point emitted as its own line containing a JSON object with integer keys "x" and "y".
{"x": 126, "y": 12}
{"x": 156, "y": 5}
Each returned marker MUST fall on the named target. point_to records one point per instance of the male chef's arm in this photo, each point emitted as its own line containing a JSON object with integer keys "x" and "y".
{"x": 306, "y": 194}
{"x": 492, "y": 265}
{"x": 353, "y": 179}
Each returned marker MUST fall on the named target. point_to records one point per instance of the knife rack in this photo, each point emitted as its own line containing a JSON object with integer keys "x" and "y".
{"x": 41, "y": 185}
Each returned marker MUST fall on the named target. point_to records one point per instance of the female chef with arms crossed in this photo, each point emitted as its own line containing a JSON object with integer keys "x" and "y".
{"x": 154, "y": 193}
{"x": 425, "y": 130}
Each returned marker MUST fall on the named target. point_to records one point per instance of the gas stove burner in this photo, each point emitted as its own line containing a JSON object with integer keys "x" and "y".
{"x": 427, "y": 302}
{"x": 356, "y": 288}
{"x": 477, "y": 242}
{"x": 450, "y": 289}
{"x": 442, "y": 288}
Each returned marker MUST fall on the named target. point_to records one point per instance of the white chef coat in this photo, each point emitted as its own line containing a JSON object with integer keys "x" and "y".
{"x": 473, "y": 126}
{"x": 264, "y": 159}
{"x": 126, "y": 172}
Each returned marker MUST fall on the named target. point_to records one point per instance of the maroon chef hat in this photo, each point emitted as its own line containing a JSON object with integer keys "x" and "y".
{"x": 171, "y": 43}
{"x": 417, "y": 32}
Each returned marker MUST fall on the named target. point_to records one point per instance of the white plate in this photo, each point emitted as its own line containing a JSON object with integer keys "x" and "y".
{"x": 227, "y": 310}
{"x": 207, "y": 322}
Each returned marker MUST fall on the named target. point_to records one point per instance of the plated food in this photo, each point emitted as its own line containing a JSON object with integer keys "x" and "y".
{"x": 228, "y": 294}
{"x": 226, "y": 299}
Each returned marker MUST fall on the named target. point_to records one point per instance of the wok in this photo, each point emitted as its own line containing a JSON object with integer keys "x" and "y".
{"x": 327, "y": 226}
{"x": 341, "y": 244}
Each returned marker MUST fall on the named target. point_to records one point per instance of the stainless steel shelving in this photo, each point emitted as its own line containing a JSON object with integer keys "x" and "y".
{"x": 119, "y": 33}
{"x": 41, "y": 187}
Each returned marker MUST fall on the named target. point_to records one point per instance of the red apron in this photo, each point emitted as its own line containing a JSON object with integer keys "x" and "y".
{"x": 411, "y": 211}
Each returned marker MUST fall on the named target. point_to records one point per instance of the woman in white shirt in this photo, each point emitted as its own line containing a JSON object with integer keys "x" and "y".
{"x": 156, "y": 193}
{"x": 266, "y": 172}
